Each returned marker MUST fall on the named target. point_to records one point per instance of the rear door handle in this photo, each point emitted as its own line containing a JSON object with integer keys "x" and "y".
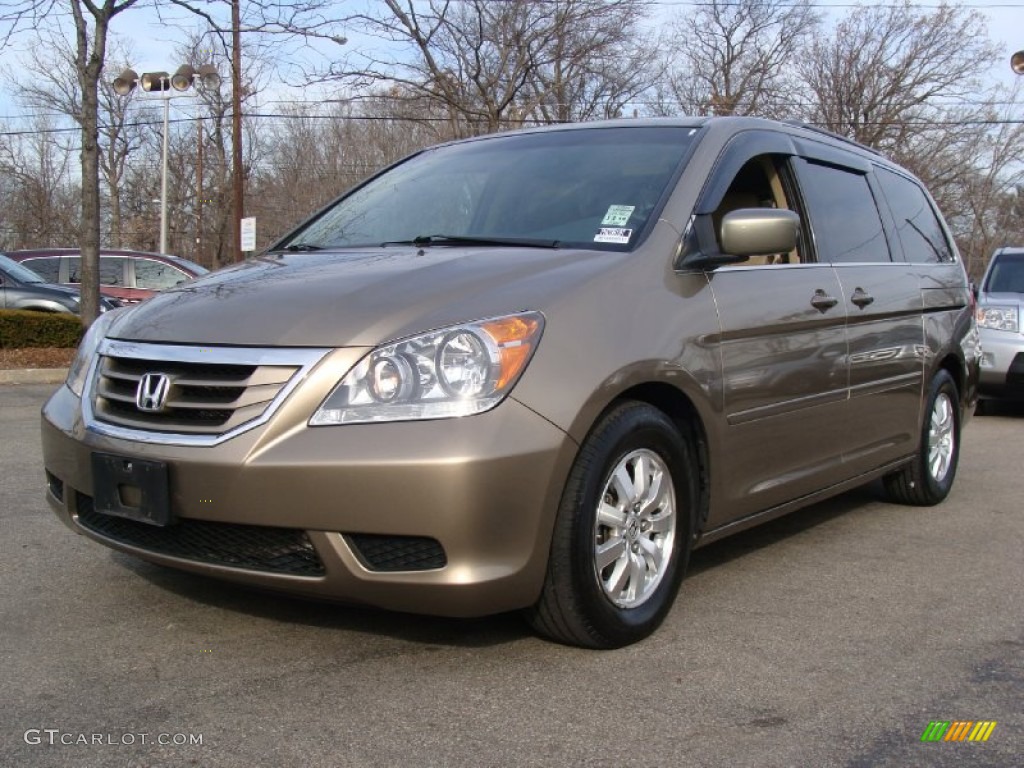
{"x": 861, "y": 298}
{"x": 822, "y": 302}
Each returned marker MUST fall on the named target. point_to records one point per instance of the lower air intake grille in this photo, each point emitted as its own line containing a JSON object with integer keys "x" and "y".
{"x": 398, "y": 553}
{"x": 254, "y": 547}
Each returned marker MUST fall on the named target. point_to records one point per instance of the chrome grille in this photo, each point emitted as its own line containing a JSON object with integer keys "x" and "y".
{"x": 212, "y": 391}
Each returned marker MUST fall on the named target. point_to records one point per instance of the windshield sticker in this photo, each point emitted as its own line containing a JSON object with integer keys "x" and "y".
{"x": 617, "y": 215}
{"x": 613, "y": 235}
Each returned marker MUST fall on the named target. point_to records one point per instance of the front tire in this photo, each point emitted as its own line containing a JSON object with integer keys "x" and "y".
{"x": 623, "y": 533}
{"x": 928, "y": 479}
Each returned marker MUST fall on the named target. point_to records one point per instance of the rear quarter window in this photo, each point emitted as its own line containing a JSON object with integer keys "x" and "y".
{"x": 920, "y": 232}
{"x": 156, "y": 276}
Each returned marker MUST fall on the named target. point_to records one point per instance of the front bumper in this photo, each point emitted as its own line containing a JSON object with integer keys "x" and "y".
{"x": 484, "y": 489}
{"x": 1002, "y": 364}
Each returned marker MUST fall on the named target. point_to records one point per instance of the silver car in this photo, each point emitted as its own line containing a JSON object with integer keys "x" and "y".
{"x": 999, "y": 306}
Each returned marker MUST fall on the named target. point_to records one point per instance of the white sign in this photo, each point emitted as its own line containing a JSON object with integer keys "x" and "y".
{"x": 248, "y": 239}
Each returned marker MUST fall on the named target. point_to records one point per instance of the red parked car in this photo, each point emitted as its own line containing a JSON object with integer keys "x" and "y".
{"x": 130, "y": 276}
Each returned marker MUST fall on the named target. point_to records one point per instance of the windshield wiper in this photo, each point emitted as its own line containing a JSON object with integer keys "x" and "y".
{"x": 303, "y": 247}
{"x": 525, "y": 242}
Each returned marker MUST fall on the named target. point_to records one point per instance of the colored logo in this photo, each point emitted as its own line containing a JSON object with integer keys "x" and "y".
{"x": 958, "y": 730}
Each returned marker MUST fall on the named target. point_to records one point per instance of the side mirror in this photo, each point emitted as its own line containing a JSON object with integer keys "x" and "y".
{"x": 759, "y": 231}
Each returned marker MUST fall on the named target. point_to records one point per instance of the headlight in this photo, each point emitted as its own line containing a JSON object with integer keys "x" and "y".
{"x": 998, "y": 318}
{"x": 451, "y": 372}
{"x": 86, "y": 350}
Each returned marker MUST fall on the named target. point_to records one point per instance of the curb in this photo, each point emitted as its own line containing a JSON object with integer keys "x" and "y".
{"x": 33, "y": 375}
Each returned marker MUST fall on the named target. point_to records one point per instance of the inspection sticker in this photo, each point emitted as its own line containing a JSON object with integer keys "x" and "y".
{"x": 613, "y": 235}
{"x": 617, "y": 215}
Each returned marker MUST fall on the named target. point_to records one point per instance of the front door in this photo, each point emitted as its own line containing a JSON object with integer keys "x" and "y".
{"x": 783, "y": 353}
{"x": 784, "y": 373}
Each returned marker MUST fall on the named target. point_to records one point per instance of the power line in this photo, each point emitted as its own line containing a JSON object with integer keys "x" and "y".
{"x": 794, "y": 104}
{"x": 528, "y": 121}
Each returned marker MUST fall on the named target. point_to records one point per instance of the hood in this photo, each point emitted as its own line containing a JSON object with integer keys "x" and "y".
{"x": 364, "y": 298}
{"x": 57, "y": 291}
{"x": 66, "y": 296}
{"x": 1007, "y": 297}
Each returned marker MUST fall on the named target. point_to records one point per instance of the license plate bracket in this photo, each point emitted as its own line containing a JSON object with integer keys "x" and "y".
{"x": 135, "y": 489}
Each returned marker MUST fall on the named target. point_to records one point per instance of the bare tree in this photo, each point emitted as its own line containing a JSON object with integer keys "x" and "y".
{"x": 875, "y": 77}
{"x": 491, "y": 65}
{"x": 314, "y": 153}
{"x": 597, "y": 61}
{"x": 118, "y": 136}
{"x": 276, "y": 24}
{"x": 92, "y": 21}
{"x": 908, "y": 81}
{"x": 41, "y": 196}
{"x": 735, "y": 57}
{"x": 972, "y": 165}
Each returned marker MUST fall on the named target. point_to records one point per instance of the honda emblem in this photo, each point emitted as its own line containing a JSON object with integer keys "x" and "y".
{"x": 151, "y": 396}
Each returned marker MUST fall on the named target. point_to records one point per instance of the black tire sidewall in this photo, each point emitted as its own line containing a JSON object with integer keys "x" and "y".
{"x": 629, "y": 429}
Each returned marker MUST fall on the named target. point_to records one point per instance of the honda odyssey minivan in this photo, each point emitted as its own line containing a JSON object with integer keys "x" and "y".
{"x": 532, "y": 371}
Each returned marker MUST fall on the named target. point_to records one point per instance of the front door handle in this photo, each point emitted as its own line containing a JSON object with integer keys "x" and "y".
{"x": 861, "y": 298}
{"x": 822, "y": 302}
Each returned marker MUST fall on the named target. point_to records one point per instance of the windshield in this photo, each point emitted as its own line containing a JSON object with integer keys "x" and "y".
{"x": 18, "y": 272}
{"x": 1007, "y": 275}
{"x": 592, "y": 188}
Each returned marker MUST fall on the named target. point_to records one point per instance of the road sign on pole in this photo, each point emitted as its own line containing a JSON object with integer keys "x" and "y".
{"x": 248, "y": 234}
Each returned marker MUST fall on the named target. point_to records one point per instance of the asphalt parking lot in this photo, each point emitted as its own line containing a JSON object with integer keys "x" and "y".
{"x": 831, "y": 637}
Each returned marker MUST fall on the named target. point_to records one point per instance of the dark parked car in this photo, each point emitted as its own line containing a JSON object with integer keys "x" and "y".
{"x": 532, "y": 371}
{"x": 22, "y": 288}
{"x": 130, "y": 276}
{"x": 1000, "y": 300}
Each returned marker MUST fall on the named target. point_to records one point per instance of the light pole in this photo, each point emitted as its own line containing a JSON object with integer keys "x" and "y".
{"x": 1017, "y": 62}
{"x": 162, "y": 82}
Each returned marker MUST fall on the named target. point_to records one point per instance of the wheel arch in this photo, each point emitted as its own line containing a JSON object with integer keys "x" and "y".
{"x": 678, "y": 406}
{"x": 956, "y": 368}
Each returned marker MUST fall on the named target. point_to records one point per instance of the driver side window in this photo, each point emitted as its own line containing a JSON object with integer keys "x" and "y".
{"x": 758, "y": 184}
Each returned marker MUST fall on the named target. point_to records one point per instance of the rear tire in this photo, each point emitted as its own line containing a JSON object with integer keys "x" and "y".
{"x": 928, "y": 479}
{"x": 623, "y": 533}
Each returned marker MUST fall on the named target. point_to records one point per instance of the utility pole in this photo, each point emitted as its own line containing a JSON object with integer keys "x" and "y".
{"x": 199, "y": 194}
{"x": 236, "y": 129}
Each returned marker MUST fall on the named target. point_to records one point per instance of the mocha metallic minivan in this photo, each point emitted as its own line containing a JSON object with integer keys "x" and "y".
{"x": 532, "y": 371}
